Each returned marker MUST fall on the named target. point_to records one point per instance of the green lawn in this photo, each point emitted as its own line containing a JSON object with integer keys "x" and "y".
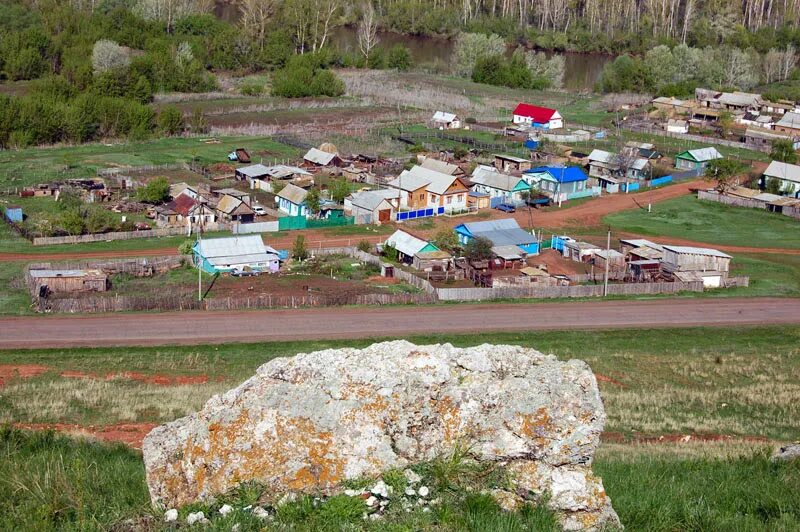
{"x": 714, "y": 223}
{"x": 20, "y": 168}
{"x": 735, "y": 382}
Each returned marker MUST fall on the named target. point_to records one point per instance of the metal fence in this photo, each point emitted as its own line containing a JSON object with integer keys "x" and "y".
{"x": 289, "y": 223}
{"x": 420, "y": 213}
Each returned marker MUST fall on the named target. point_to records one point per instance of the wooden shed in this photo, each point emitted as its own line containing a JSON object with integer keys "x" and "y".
{"x": 61, "y": 281}
{"x": 688, "y": 258}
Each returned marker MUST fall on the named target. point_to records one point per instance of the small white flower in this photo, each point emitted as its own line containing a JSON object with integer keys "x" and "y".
{"x": 261, "y": 513}
{"x": 226, "y": 509}
{"x": 410, "y": 491}
{"x": 171, "y": 515}
{"x": 424, "y": 491}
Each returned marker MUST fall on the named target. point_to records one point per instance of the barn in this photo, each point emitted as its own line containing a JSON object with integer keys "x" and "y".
{"x": 60, "y": 281}
{"x": 710, "y": 264}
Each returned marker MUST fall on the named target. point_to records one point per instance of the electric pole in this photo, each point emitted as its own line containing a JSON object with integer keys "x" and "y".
{"x": 608, "y": 259}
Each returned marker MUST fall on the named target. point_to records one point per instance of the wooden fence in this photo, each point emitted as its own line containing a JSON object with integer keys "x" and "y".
{"x": 483, "y": 294}
{"x": 713, "y": 195}
{"x": 103, "y": 237}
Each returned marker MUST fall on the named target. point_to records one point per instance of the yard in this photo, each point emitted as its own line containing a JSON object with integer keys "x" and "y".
{"x": 692, "y": 219}
{"x": 733, "y": 392}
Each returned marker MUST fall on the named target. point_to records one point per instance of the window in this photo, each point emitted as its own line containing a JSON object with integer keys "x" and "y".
{"x": 461, "y": 197}
{"x": 422, "y": 196}
{"x": 449, "y": 200}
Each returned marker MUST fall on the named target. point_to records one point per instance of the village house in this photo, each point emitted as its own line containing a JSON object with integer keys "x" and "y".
{"x": 444, "y": 120}
{"x": 503, "y": 232}
{"x": 788, "y": 175}
{"x": 604, "y": 165}
{"x": 692, "y": 263}
{"x": 409, "y": 246}
{"x": 251, "y": 173}
{"x": 242, "y": 253}
{"x": 319, "y": 158}
{"x": 421, "y": 188}
{"x": 510, "y": 163}
{"x": 292, "y": 200}
{"x": 234, "y": 207}
{"x": 501, "y": 188}
{"x": 538, "y": 117}
{"x": 696, "y": 159}
{"x": 167, "y": 217}
{"x": 267, "y": 175}
{"x": 730, "y": 101}
{"x": 443, "y": 167}
{"x": 560, "y": 183}
{"x": 677, "y": 126}
{"x": 373, "y": 206}
{"x": 672, "y": 105}
{"x": 789, "y": 124}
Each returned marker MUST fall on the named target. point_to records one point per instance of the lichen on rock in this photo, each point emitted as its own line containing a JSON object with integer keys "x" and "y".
{"x": 308, "y": 423}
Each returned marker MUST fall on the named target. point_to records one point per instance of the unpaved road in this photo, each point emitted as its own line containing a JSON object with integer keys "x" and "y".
{"x": 343, "y": 323}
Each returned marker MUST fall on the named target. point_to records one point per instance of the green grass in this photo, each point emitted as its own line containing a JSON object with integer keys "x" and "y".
{"x": 703, "y": 221}
{"x": 20, "y": 168}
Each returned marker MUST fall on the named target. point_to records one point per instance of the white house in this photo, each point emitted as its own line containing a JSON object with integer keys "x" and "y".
{"x": 677, "y": 126}
{"x": 292, "y": 200}
{"x": 787, "y": 174}
{"x": 540, "y": 117}
{"x": 487, "y": 180}
{"x": 444, "y": 120}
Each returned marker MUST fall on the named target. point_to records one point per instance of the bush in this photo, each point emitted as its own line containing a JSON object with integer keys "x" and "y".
{"x": 154, "y": 192}
{"x": 305, "y": 76}
{"x": 170, "y": 120}
{"x": 364, "y": 246}
{"x": 251, "y": 89}
{"x": 399, "y": 58}
{"x": 299, "y": 250}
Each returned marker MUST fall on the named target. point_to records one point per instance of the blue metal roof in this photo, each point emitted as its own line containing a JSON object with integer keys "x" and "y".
{"x": 566, "y": 174}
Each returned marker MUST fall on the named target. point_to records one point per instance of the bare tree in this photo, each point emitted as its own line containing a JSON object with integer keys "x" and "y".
{"x": 170, "y": 11}
{"x": 367, "y": 31}
{"x": 256, "y": 16}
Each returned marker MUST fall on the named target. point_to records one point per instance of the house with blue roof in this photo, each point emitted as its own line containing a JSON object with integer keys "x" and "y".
{"x": 559, "y": 182}
{"x": 501, "y": 233}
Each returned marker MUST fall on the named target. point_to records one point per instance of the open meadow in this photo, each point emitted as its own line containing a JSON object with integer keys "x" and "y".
{"x": 703, "y": 407}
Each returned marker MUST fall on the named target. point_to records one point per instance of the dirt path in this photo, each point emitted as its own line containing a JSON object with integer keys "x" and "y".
{"x": 192, "y": 328}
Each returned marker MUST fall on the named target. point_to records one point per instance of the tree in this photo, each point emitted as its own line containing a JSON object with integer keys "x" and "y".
{"x": 154, "y": 192}
{"x": 783, "y": 150}
{"x": 339, "y": 189}
{"x": 367, "y": 31}
{"x": 472, "y": 46}
{"x": 313, "y": 200}
{"x": 108, "y": 55}
{"x": 170, "y": 120}
{"x": 99, "y": 220}
{"x": 299, "y": 250}
{"x": 446, "y": 239}
{"x": 72, "y": 222}
{"x": 773, "y": 185}
{"x": 478, "y": 249}
{"x": 310, "y": 21}
{"x": 198, "y": 122}
{"x": 256, "y": 16}
{"x": 186, "y": 247}
{"x": 725, "y": 121}
{"x": 724, "y": 173}
{"x": 551, "y": 69}
{"x": 169, "y": 11}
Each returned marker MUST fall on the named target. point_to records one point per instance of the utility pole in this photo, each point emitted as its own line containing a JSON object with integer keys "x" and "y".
{"x": 608, "y": 259}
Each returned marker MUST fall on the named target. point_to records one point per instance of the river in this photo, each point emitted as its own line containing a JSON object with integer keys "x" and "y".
{"x": 581, "y": 71}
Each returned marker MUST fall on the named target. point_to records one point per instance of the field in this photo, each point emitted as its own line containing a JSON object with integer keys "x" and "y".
{"x": 734, "y": 393}
{"x": 713, "y": 223}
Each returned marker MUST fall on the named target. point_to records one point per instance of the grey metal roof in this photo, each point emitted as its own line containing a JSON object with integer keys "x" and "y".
{"x": 442, "y": 116}
{"x": 40, "y": 274}
{"x": 689, "y": 250}
{"x": 505, "y": 232}
{"x": 705, "y": 154}
{"x": 254, "y": 170}
{"x": 508, "y": 252}
{"x": 511, "y": 158}
{"x": 496, "y": 180}
{"x": 491, "y": 225}
{"x": 439, "y": 166}
{"x": 419, "y": 177}
{"x": 235, "y": 250}
{"x": 790, "y": 120}
{"x": 610, "y": 159}
{"x": 320, "y": 157}
{"x": 370, "y": 199}
{"x": 293, "y": 193}
{"x": 786, "y": 171}
{"x": 406, "y": 243}
{"x": 641, "y": 242}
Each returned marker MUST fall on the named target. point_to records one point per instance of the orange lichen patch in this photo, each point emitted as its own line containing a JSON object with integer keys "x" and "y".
{"x": 270, "y": 459}
{"x": 451, "y": 421}
{"x": 525, "y": 473}
{"x": 537, "y": 425}
{"x": 160, "y": 380}
{"x": 375, "y": 409}
{"x": 20, "y": 371}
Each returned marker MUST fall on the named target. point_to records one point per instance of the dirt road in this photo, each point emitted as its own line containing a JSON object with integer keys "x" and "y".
{"x": 305, "y": 324}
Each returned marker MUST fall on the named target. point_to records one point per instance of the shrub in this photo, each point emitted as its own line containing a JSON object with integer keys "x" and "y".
{"x": 364, "y": 246}
{"x": 299, "y": 250}
{"x": 156, "y": 191}
{"x": 251, "y": 89}
{"x": 170, "y": 120}
{"x": 399, "y": 57}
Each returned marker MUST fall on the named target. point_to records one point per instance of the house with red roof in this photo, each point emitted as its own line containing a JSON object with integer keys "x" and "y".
{"x": 526, "y": 114}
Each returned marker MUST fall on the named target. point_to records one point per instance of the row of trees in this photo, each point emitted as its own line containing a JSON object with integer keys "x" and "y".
{"x": 677, "y": 71}
{"x": 483, "y": 58}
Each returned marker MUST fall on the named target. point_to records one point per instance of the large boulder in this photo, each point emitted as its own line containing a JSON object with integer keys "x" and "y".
{"x": 307, "y": 423}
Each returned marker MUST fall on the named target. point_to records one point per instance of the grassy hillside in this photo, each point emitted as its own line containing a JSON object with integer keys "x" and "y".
{"x": 705, "y": 221}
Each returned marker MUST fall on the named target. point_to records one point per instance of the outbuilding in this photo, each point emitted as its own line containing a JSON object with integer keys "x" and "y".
{"x": 713, "y": 264}
{"x": 408, "y": 246}
{"x": 373, "y": 206}
{"x": 65, "y": 281}
{"x": 13, "y": 213}
{"x": 445, "y": 120}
